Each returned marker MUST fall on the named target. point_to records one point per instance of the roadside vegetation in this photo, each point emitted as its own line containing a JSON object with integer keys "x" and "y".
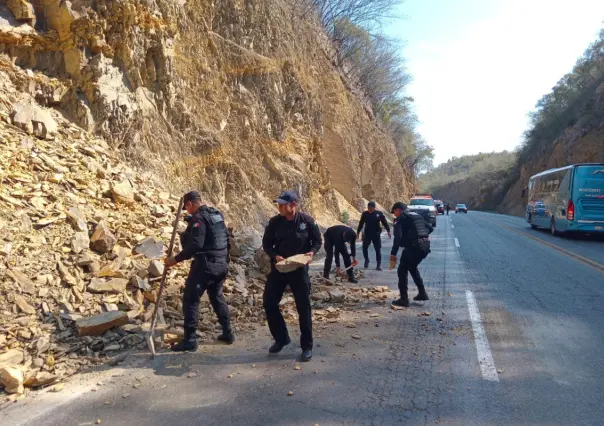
{"x": 374, "y": 63}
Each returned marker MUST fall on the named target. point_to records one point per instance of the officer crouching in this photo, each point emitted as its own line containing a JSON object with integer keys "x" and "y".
{"x": 206, "y": 241}
{"x": 287, "y": 234}
{"x": 411, "y": 232}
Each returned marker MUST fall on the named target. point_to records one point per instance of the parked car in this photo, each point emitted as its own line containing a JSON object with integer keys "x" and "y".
{"x": 461, "y": 208}
{"x": 440, "y": 206}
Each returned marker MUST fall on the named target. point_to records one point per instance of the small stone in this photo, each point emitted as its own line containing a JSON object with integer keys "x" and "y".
{"x": 297, "y": 367}
{"x": 98, "y": 324}
{"x": 356, "y": 336}
{"x": 102, "y": 240}
{"x": 58, "y": 388}
{"x": 23, "y": 306}
{"x": 150, "y": 248}
{"x": 98, "y": 421}
{"x": 80, "y": 242}
{"x": 115, "y": 285}
{"x": 156, "y": 268}
{"x": 191, "y": 375}
{"x": 27, "y": 285}
{"x": 230, "y": 376}
{"x": 290, "y": 393}
{"x": 123, "y": 192}
{"x": 40, "y": 379}
{"x": 126, "y": 395}
{"x": 12, "y": 380}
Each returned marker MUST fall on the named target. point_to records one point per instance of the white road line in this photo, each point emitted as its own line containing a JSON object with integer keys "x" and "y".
{"x": 483, "y": 350}
{"x": 457, "y": 243}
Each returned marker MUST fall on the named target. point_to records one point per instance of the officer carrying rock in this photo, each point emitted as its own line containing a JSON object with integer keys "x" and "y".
{"x": 288, "y": 234}
{"x": 336, "y": 238}
{"x": 206, "y": 241}
{"x": 411, "y": 232}
{"x": 371, "y": 220}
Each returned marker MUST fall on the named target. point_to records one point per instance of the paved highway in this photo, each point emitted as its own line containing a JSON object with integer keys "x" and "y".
{"x": 515, "y": 336}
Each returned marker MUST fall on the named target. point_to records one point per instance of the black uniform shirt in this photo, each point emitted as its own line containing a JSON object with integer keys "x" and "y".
{"x": 398, "y": 233}
{"x": 287, "y": 238}
{"x": 193, "y": 239}
{"x": 341, "y": 234}
{"x": 372, "y": 221}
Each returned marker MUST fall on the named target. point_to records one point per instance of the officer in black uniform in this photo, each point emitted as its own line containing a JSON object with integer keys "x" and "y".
{"x": 206, "y": 241}
{"x": 287, "y": 234}
{"x": 336, "y": 238}
{"x": 411, "y": 232}
{"x": 371, "y": 219}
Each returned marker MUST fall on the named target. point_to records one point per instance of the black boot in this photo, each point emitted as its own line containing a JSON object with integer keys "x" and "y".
{"x": 378, "y": 267}
{"x": 404, "y": 303}
{"x": 366, "y": 263}
{"x": 278, "y": 346}
{"x": 227, "y": 337}
{"x": 351, "y": 278}
{"x": 306, "y": 355}
{"x": 422, "y": 295}
{"x": 185, "y": 345}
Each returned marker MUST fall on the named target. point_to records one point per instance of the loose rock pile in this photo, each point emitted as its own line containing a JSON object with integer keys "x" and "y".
{"x": 82, "y": 238}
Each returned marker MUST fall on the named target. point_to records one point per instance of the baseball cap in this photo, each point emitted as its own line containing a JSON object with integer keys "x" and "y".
{"x": 286, "y": 197}
{"x": 371, "y": 204}
{"x": 398, "y": 205}
{"x": 190, "y": 196}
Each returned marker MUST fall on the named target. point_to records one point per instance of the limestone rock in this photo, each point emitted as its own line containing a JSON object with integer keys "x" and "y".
{"x": 150, "y": 248}
{"x": 99, "y": 324}
{"x": 41, "y": 378}
{"x": 115, "y": 285}
{"x": 23, "y": 11}
{"x": 263, "y": 261}
{"x": 123, "y": 192}
{"x": 33, "y": 119}
{"x": 26, "y": 284}
{"x": 24, "y": 307}
{"x": 12, "y": 379}
{"x": 292, "y": 263}
{"x": 102, "y": 239}
{"x": 77, "y": 219}
{"x": 156, "y": 268}
{"x": 12, "y": 357}
{"x": 80, "y": 242}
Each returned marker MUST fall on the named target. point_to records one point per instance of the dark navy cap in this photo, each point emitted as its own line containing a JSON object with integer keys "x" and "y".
{"x": 190, "y": 196}
{"x": 371, "y": 204}
{"x": 398, "y": 205}
{"x": 286, "y": 197}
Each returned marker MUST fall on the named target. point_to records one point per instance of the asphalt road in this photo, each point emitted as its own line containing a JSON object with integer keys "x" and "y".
{"x": 514, "y": 335}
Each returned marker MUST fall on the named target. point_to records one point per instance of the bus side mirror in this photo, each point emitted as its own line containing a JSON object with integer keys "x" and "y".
{"x": 523, "y": 193}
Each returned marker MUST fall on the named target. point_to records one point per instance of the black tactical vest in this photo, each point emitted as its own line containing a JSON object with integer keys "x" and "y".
{"x": 216, "y": 241}
{"x": 414, "y": 228}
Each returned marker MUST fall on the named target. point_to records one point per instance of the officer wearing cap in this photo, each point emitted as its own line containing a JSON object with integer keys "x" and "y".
{"x": 206, "y": 242}
{"x": 287, "y": 234}
{"x": 411, "y": 232}
{"x": 371, "y": 220}
{"x": 336, "y": 238}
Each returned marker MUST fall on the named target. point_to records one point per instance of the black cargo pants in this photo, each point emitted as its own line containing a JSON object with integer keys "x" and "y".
{"x": 410, "y": 260}
{"x": 374, "y": 238}
{"x": 299, "y": 282}
{"x": 206, "y": 273}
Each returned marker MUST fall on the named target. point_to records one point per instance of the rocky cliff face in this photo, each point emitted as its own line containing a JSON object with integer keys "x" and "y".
{"x": 236, "y": 98}
{"x": 582, "y": 142}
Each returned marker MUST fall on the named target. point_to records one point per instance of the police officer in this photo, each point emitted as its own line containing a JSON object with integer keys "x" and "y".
{"x": 448, "y": 207}
{"x": 206, "y": 241}
{"x": 371, "y": 219}
{"x": 287, "y": 234}
{"x": 336, "y": 238}
{"x": 411, "y": 232}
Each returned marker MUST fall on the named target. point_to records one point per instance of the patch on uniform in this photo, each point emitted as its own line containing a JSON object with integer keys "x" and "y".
{"x": 303, "y": 227}
{"x": 216, "y": 218}
{"x": 196, "y": 225}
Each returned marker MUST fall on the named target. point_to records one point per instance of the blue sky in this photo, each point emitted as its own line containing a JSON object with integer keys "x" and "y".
{"x": 479, "y": 66}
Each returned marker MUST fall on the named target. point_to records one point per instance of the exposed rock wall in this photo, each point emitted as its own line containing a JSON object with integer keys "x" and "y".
{"x": 236, "y": 98}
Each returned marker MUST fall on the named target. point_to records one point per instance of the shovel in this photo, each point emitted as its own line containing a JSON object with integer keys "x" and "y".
{"x": 150, "y": 342}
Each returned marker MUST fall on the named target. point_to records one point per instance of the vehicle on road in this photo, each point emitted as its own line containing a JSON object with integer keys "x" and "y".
{"x": 440, "y": 206}
{"x": 461, "y": 208}
{"x": 568, "y": 199}
{"x": 423, "y": 204}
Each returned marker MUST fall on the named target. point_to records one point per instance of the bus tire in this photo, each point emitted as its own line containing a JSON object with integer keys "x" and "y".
{"x": 553, "y": 228}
